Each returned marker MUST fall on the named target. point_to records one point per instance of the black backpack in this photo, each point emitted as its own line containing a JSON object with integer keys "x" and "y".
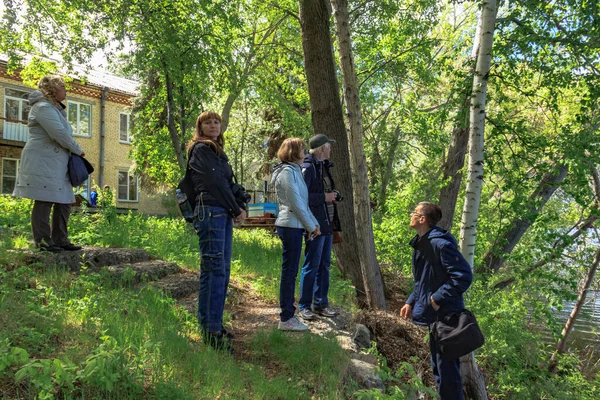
{"x": 186, "y": 186}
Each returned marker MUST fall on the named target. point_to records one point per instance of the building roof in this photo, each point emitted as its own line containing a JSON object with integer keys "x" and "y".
{"x": 99, "y": 78}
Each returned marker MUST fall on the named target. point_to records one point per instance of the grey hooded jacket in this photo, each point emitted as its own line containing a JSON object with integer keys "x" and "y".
{"x": 292, "y": 197}
{"x": 43, "y": 168}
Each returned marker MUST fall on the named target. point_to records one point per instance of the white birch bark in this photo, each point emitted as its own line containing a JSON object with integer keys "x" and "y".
{"x": 472, "y": 376}
{"x": 468, "y": 229}
{"x": 358, "y": 162}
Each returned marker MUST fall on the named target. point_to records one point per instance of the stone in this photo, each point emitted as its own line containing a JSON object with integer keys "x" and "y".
{"x": 362, "y": 336}
{"x": 365, "y": 375}
{"x": 368, "y": 358}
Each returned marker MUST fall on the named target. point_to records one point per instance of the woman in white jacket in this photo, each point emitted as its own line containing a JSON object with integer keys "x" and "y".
{"x": 43, "y": 175}
{"x": 294, "y": 220}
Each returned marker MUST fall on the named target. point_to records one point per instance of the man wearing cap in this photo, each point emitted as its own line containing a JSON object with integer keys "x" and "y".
{"x": 314, "y": 280}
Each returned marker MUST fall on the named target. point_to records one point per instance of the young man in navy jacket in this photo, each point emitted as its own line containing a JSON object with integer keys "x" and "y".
{"x": 441, "y": 277}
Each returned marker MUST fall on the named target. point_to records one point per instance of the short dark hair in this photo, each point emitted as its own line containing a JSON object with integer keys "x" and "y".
{"x": 431, "y": 211}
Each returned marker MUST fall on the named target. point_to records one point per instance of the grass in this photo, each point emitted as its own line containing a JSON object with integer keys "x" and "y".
{"x": 85, "y": 336}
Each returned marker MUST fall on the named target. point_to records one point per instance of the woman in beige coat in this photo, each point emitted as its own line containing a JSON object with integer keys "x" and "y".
{"x": 43, "y": 173}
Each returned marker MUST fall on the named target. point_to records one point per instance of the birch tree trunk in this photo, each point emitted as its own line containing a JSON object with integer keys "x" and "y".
{"x": 358, "y": 162}
{"x": 328, "y": 118}
{"x": 562, "y": 343}
{"x": 468, "y": 229}
{"x": 472, "y": 376}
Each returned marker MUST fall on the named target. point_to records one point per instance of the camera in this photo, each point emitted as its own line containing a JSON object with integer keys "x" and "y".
{"x": 338, "y": 196}
{"x": 240, "y": 194}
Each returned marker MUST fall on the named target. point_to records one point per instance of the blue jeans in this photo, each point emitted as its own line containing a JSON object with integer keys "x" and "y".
{"x": 215, "y": 231}
{"x": 446, "y": 372}
{"x": 291, "y": 239}
{"x": 314, "y": 280}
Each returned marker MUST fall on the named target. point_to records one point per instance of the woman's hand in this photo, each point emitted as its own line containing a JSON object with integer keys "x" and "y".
{"x": 242, "y": 217}
{"x": 314, "y": 233}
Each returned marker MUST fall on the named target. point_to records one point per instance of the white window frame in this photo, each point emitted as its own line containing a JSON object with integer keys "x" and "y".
{"x": 15, "y": 177}
{"x": 76, "y": 127}
{"x": 128, "y": 141}
{"x": 137, "y": 187}
{"x": 19, "y": 99}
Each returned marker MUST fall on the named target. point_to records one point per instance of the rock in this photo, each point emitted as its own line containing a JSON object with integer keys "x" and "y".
{"x": 368, "y": 358}
{"x": 346, "y": 343}
{"x": 364, "y": 374}
{"x": 362, "y": 336}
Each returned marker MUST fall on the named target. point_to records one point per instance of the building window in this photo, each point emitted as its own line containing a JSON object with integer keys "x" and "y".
{"x": 128, "y": 187}
{"x": 125, "y": 132}
{"x": 16, "y": 112}
{"x": 10, "y": 169}
{"x": 80, "y": 118}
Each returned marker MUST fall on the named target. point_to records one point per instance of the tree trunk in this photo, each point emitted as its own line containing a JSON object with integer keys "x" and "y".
{"x": 473, "y": 379}
{"x": 562, "y": 243}
{"x": 562, "y": 343}
{"x": 468, "y": 229}
{"x": 389, "y": 168}
{"x": 327, "y": 117}
{"x": 358, "y": 162}
{"x": 458, "y": 146}
{"x": 452, "y": 166}
{"x": 171, "y": 122}
{"x": 495, "y": 257}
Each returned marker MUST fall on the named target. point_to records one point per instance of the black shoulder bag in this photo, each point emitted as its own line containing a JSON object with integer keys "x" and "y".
{"x": 457, "y": 334}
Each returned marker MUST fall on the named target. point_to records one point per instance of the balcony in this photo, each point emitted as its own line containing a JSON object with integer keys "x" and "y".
{"x": 15, "y": 130}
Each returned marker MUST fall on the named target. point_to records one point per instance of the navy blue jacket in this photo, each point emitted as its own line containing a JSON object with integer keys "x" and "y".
{"x": 313, "y": 171}
{"x": 440, "y": 271}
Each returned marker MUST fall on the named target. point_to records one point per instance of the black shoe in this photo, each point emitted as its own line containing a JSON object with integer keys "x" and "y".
{"x": 50, "y": 247}
{"x": 71, "y": 247}
{"x": 218, "y": 341}
{"x": 227, "y": 334}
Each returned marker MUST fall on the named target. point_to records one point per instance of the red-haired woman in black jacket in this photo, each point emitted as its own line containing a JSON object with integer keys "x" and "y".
{"x": 217, "y": 208}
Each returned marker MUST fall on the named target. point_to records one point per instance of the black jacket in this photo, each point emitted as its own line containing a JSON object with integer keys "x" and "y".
{"x": 441, "y": 272}
{"x": 313, "y": 171}
{"x": 212, "y": 176}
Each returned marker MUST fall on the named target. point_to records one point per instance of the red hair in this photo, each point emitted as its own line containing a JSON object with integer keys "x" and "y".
{"x": 198, "y": 136}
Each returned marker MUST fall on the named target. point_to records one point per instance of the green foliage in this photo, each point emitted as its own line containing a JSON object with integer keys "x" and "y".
{"x": 312, "y": 364}
{"x": 515, "y": 356}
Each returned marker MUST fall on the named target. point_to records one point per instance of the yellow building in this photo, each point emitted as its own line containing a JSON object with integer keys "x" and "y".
{"x": 99, "y": 112}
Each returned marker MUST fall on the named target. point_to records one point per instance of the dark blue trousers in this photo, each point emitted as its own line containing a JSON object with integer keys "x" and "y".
{"x": 446, "y": 372}
{"x": 291, "y": 239}
{"x": 314, "y": 279}
{"x": 215, "y": 231}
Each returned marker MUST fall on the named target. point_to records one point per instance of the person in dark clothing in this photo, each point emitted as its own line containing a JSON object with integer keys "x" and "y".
{"x": 216, "y": 210}
{"x": 314, "y": 280}
{"x": 441, "y": 277}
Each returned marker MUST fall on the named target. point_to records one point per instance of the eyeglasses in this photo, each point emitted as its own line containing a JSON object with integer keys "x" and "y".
{"x": 416, "y": 213}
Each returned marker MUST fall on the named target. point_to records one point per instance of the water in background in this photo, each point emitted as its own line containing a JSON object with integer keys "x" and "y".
{"x": 586, "y": 331}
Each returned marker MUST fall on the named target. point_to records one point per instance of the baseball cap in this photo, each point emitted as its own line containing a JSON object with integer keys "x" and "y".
{"x": 319, "y": 140}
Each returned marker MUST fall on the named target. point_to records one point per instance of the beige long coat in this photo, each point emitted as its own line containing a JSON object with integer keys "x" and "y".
{"x": 43, "y": 168}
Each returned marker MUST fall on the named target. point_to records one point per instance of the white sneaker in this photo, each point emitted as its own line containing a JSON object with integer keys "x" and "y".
{"x": 292, "y": 324}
